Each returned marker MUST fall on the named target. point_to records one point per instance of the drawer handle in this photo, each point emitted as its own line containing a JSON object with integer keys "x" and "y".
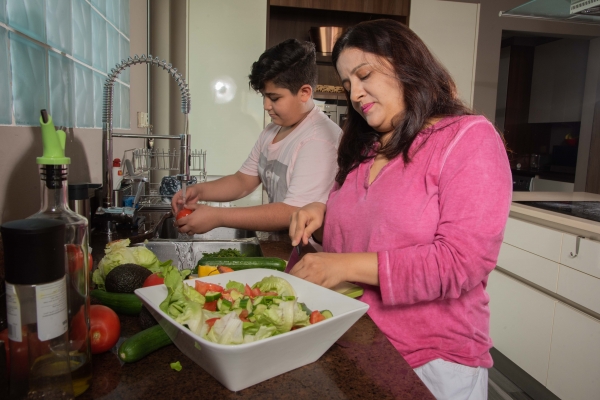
{"x": 576, "y": 247}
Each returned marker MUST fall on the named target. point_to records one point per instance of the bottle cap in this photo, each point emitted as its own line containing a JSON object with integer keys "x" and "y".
{"x": 53, "y": 141}
{"x": 34, "y": 250}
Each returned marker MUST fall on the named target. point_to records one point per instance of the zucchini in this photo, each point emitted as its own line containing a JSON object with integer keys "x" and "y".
{"x": 121, "y": 303}
{"x": 143, "y": 343}
{"x": 239, "y": 263}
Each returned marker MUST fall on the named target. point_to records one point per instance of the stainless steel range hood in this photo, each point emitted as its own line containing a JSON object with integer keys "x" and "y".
{"x": 580, "y": 11}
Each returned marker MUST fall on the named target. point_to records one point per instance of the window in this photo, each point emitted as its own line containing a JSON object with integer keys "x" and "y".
{"x": 57, "y": 54}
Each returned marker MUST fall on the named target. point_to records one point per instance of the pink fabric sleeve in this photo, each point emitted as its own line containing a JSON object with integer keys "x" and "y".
{"x": 313, "y": 172}
{"x": 475, "y": 190}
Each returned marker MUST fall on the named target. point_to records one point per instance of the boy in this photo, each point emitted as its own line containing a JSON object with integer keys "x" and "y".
{"x": 294, "y": 157}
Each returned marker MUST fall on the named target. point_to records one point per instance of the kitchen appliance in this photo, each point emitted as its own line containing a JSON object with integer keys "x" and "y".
{"x": 324, "y": 37}
{"x": 235, "y": 366}
{"x": 334, "y": 105}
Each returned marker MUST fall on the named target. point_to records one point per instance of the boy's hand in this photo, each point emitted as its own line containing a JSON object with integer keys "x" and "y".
{"x": 203, "y": 219}
{"x": 192, "y": 195}
{"x": 305, "y": 221}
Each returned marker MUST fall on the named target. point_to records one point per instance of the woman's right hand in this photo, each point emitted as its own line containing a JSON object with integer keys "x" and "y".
{"x": 305, "y": 221}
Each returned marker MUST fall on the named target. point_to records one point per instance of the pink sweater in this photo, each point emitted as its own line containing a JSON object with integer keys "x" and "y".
{"x": 437, "y": 226}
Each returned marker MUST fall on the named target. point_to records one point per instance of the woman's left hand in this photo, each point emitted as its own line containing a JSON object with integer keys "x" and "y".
{"x": 330, "y": 269}
{"x": 324, "y": 269}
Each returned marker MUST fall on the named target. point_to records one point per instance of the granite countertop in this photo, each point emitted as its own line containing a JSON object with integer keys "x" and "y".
{"x": 362, "y": 364}
{"x": 551, "y": 219}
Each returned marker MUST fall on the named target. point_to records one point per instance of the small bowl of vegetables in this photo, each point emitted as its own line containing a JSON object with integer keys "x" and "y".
{"x": 226, "y": 322}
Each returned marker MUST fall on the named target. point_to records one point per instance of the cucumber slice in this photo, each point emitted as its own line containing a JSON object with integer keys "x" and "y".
{"x": 212, "y": 296}
{"x": 327, "y": 314}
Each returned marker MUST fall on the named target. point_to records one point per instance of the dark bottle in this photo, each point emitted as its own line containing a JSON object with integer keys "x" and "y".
{"x": 36, "y": 305}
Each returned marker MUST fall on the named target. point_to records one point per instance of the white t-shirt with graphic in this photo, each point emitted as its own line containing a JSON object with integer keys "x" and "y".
{"x": 299, "y": 169}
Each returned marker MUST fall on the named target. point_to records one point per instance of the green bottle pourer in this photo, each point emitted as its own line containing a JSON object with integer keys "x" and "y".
{"x": 53, "y": 141}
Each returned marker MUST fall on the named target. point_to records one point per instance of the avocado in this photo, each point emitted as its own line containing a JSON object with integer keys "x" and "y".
{"x": 126, "y": 278}
{"x": 146, "y": 319}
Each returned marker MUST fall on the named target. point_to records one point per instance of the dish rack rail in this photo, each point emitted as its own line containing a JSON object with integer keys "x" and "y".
{"x": 168, "y": 160}
{"x": 145, "y": 160}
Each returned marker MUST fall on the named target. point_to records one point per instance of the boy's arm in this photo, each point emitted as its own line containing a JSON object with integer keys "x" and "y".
{"x": 227, "y": 188}
{"x": 266, "y": 217}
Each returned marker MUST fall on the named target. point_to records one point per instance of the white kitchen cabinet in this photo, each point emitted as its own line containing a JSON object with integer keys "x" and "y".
{"x": 544, "y": 302}
{"x": 532, "y": 267}
{"x": 588, "y": 255}
{"x": 574, "y": 369}
{"x": 521, "y": 320}
{"x": 536, "y": 239}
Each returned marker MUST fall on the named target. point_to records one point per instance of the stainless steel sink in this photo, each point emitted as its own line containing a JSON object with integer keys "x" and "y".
{"x": 168, "y": 231}
{"x": 185, "y": 254}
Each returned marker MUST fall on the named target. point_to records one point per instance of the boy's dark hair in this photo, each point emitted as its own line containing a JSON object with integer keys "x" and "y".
{"x": 289, "y": 64}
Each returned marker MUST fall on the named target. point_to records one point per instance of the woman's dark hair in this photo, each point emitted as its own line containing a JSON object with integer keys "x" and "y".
{"x": 428, "y": 89}
{"x": 289, "y": 64}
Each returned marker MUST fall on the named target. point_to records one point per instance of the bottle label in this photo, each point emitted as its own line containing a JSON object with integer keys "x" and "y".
{"x": 51, "y": 306}
{"x": 13, "y": 314}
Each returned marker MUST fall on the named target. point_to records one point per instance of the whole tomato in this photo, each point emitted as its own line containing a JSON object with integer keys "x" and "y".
{"x": 153, "y": 280}
{"x": 184, "y": 213}
{"x": 105, "y": 328}
{"x": 75, "y": 258}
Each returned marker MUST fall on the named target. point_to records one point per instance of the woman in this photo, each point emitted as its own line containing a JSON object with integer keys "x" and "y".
{"x": 418, "y": 210}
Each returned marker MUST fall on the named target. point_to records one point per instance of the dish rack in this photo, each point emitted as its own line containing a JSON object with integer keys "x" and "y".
{"x": 145, "y": 160}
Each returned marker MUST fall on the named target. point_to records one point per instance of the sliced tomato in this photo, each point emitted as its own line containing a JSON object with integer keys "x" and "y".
{"x": 210, "y": 305}
{"x": 153, "y": 280}
{"x": 316, "y": 316}
{"x": 256, "y": 292}
{"x": 248, "y": 291}
{"x": 244, "y": 316}
{"x": 223, "y": 269}
{"x": 203, "y": 287}
{"x": 210, "y": 322}
{"x": 227, "y": 296}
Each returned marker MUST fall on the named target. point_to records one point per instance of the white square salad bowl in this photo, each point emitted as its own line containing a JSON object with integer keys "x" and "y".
{"x": 235, "y": 365}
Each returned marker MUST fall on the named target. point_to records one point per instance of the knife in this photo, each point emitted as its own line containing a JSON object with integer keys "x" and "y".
{"x": 294, "y": 258}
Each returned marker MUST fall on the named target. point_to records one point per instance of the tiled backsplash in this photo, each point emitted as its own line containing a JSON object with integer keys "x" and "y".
{"x": 56, "y": 54}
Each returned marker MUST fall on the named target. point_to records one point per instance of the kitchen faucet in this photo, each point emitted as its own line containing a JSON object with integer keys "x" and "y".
{"x": 108, "y": 201}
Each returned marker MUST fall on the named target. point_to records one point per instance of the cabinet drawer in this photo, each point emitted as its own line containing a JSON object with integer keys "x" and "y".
{"x": 536, "y": 269}
{"x": 579, "y": 287}
{"x": 588, "y": 256}
{"x": 574, "y": 355}
{"x": 536, "y": 239}
{"x": 521, "y": 323}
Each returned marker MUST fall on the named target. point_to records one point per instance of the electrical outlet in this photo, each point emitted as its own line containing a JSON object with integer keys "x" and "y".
{"x": 143, "y": 120}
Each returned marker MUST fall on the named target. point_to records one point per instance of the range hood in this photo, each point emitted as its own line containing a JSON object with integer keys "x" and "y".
{"x": 582, "y": 11}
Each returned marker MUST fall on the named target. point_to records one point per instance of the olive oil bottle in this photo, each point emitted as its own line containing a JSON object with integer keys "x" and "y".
{"x": 53, "y": 167}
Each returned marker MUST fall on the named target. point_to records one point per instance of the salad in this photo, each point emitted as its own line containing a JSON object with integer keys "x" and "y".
{"x": 237, "y": 313}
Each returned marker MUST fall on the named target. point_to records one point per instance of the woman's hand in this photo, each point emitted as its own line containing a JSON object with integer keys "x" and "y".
{"x": 201, "y": 220}
{"x": 330, "y": 269}
{"x": 305, "y": 221}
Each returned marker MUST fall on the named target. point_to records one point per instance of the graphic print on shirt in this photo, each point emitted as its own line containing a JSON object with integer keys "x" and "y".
{"x": 273, "y": 176}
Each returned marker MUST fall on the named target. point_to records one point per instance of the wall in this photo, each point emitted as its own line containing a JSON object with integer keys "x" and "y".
{"x": 19, "y": 177}
{"x": 558, "y": 81}
{"x": 225, "y": 38}
{"x": 488, "y": 60}
{"x": 449, "y": 29}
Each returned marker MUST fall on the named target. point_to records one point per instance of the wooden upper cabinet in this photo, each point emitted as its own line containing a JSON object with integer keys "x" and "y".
{"x": 390, "y": 7}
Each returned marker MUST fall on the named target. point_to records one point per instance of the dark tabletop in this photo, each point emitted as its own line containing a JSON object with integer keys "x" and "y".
{"x": 362, "y": 364}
